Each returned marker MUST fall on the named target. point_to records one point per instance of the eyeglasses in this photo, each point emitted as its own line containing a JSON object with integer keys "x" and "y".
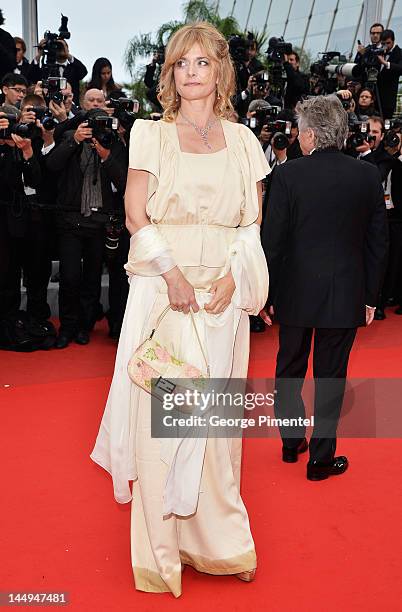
{"x": 19, "y": 90}
{"x": 18, "y": 48}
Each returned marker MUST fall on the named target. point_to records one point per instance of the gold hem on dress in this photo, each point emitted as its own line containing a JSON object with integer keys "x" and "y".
{"x": 151, "y": 582}
{"x": 221, "y": 567}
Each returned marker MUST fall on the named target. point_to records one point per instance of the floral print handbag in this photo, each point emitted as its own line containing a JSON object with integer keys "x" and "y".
{"x": 153, "y": 361}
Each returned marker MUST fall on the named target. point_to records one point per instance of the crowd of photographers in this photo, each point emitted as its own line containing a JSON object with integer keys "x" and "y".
{"x": 64, "y": 160}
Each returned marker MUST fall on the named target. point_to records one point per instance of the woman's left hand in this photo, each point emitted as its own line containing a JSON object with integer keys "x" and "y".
{"x": 222, "y": 290}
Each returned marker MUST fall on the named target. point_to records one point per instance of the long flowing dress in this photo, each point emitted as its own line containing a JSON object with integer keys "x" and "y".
{"x": 198, "y": 202}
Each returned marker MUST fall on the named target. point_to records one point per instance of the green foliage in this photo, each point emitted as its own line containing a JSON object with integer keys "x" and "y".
{"x": 144, "y": 45}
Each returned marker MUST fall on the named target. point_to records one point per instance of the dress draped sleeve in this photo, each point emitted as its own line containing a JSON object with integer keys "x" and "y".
{"x": 144, "y": 154}
{"x": 255, "y": 168}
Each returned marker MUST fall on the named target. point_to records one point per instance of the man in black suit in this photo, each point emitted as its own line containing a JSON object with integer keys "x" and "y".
{"x": 390, "y": 71}
{"x": 325, "y": 238}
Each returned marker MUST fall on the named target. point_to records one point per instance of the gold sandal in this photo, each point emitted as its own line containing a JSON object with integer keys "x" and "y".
{"x": 246, "y": 576}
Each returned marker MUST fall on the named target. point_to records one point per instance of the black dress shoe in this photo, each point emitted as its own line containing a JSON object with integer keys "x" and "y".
{"x": 62, "y": 341}
{"x": 290, "y": 455}
{"x": 319, "y": 470}
{"x": 114, "y": 331}
{"x": 82, "y": 337}
{"x": 257, "y": 325}
{"x": 398, "y": 311}
{"x": 379, "y": 314}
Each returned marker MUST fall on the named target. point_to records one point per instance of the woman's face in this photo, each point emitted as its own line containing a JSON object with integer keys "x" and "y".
{"x": 106, "y": 73}
{"x": 365, "y": 99}
{"x": 195, "y": 75}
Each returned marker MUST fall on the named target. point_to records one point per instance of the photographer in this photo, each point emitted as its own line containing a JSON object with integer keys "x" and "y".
{"x": 23, "y": 66}
{"x": 297, "y": 82}
{"x": 252, "y": 64}
{"x": 390, "y": 71}
{"x": 67, "y": 66}
{"x": 376, "y": 31}
{"x": 151, "y": 77}
{"x": 92, "y": 165}
{"x": 41, "y": 200}
{"x": 365, "y": 106}
{"x": 19, "y": 171}
{"x": 258, "y": 88}
{"x": 372, "y": 149}
{"x": 14, "y": 87}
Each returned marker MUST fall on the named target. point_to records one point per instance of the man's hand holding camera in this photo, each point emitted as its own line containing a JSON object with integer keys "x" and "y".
{"x": 82, "y": 133}
{"x": 58, "y": 111}
{"x": 365, "y": 147}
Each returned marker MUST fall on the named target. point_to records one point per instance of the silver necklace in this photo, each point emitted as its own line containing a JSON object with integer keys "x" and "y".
{"x": 203, "y": 132}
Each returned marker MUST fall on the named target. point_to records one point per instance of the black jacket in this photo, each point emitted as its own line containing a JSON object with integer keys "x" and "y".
{"x": 326, "y": 239}
{"x": 65, "y": 159}
{"x": 7, "y": 53}
{"x": 383, "y": 160}
{"x": 297, "y": 85}
{"x": 14, "y": 173}
{"x": 74, "y": 72}
{"x": 25, "y": 70}
{"x": 388, "y": 80}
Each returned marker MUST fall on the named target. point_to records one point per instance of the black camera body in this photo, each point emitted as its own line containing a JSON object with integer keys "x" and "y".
{"x": 104, "y": 128}
{"x": 359, "y": 132}
{"x": 53, "y": 89}
{"x": 45, "y": 117}
{"x": 392, "y": 128}
{"x": 25, "y": 130}
{"x": 238, "y": 47}
{"x": 125, "y": 110}
{"x": 277, "y": 49}
{"x": 52, "y": 42}
{"x": 261, "y": 79}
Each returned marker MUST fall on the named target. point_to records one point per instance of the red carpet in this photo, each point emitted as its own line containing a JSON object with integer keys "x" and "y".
{"x": 333, "y": 545}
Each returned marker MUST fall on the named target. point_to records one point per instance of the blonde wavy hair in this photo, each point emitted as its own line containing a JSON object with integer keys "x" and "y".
{"x": 216, "y": 48}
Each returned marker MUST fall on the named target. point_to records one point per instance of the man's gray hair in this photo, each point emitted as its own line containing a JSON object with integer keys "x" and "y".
{"x": 327, "y": 118}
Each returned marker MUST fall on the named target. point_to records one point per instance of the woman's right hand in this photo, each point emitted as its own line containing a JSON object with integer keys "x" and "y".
{"x": 180, "y": 292}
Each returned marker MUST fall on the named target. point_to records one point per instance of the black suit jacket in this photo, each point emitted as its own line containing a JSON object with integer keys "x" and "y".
{"x": 388, "y": 80}
{"x": 7, "y": 53}
{"x": 325, "y": 237}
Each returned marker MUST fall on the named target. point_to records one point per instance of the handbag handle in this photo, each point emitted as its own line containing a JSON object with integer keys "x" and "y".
{"x": 159, "y": 319}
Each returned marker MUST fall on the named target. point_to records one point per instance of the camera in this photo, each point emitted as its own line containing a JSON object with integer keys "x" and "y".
{"x": 238, "y": 48}
{"x": 347, "y": 104}
{"x": 114, "y": 227}
{"x": 277, "y": 48}
{"x": 44, "y": 116}
{"x": 103, "y": 127}
{"x": 392, "y": 128}
{"x": 125, "y": 110}
{"x": 359, "y": 132}
{"x": 52, "y": 87}
{"x": 25, "y": 130}
{"x": 261, "y": 79}
{"x": 52, "y": 47}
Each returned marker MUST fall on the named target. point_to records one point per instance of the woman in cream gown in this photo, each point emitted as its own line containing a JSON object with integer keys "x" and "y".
{"x": 193, "y": 211}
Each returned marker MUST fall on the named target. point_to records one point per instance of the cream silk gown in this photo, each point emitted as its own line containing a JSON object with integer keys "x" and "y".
{"x": 196, "y": 201}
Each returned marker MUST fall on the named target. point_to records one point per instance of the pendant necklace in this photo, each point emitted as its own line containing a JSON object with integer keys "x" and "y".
{"x": 203, "y": 132}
